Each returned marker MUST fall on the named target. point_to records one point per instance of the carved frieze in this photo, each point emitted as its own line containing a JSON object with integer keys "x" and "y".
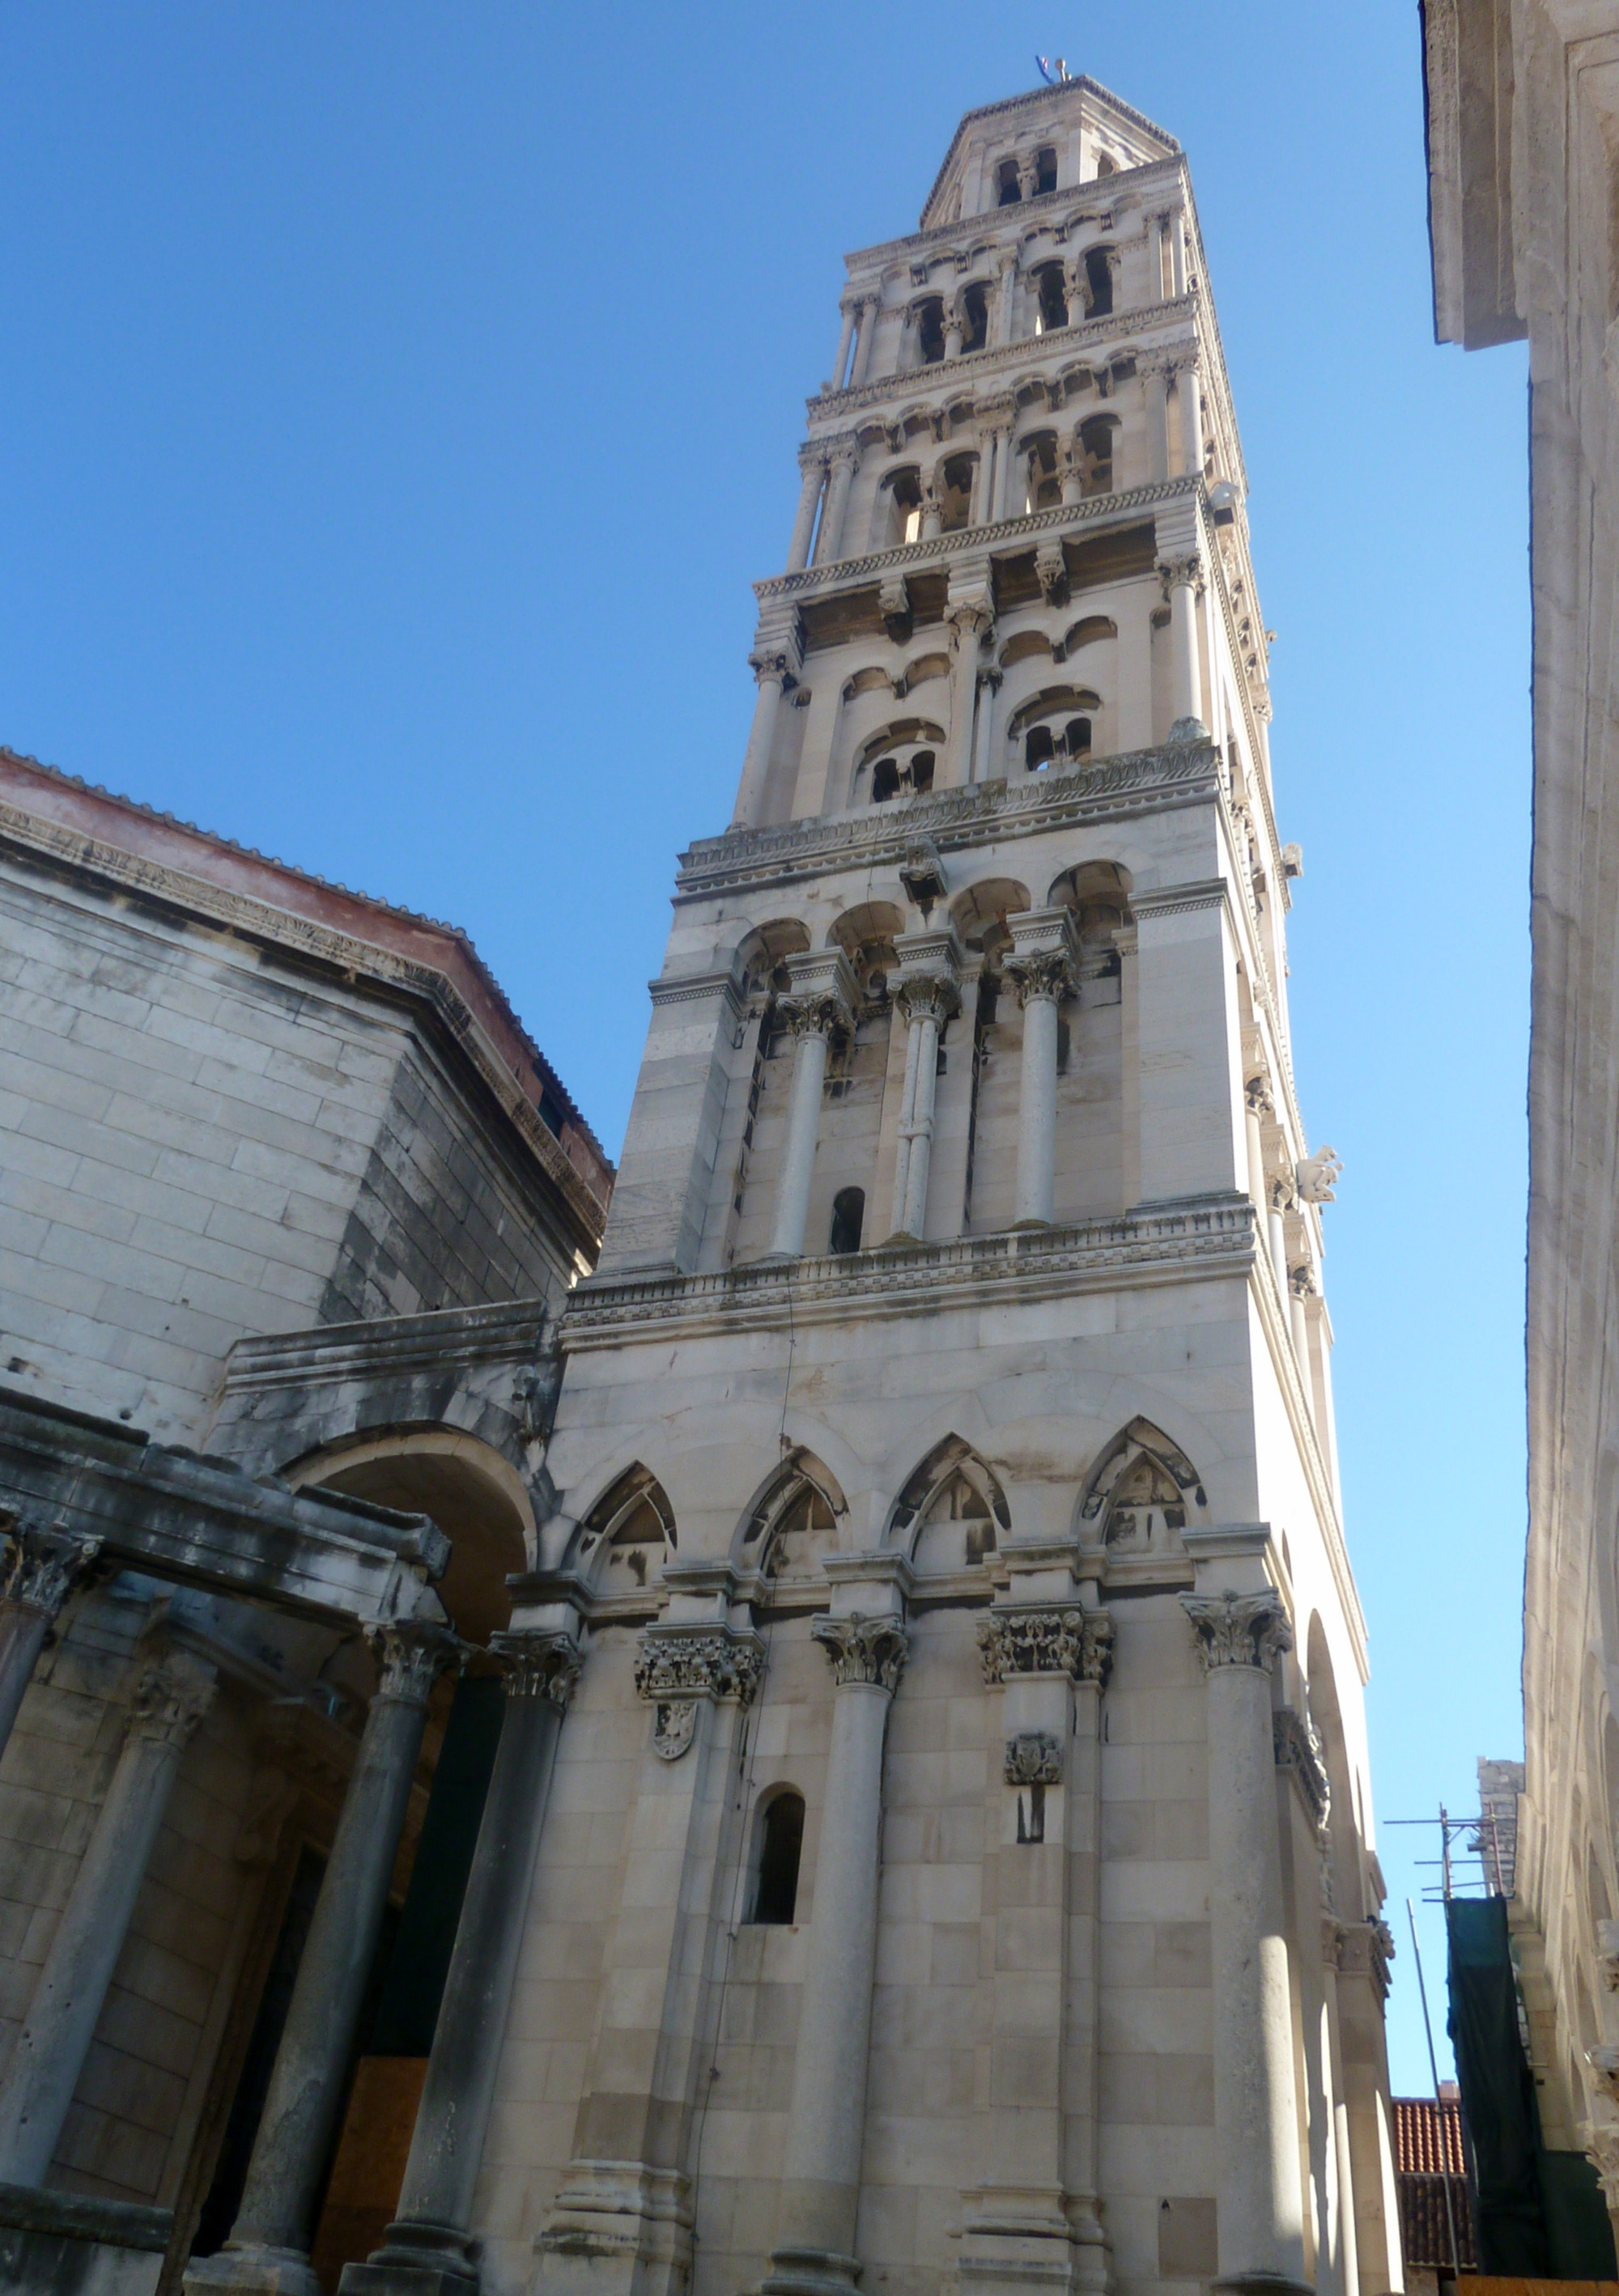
{"x": 680, "y": 1662}
{"x": 1047, "y": 1640}
{"x": 1238, "y": 1629}
{"x": 864, "y": 1650}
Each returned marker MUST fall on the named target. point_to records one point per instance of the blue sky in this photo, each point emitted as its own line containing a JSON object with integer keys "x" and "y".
{"x": 398, "y": 400}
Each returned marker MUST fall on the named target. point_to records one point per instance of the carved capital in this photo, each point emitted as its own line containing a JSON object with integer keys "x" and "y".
{"x": 42, "y": 1568}
{"x": 1040, "y": 972}
{"x": 675, "y": 1663}
{"x": 1298, "y": 1751}
{"x": 538, "y": 1665}
{"x": 863, "y": 1650}
{"x": 411, "y": 1654}
{"x": 171, "y": 1698}
{"x": 1182, "y": 573}
{"x": 1033, "y": 1758}
{"x": 1601, "y": 2141}
{"x": 1052, "y": 567}
{"x": 1050, "y": 1640}
{"x": 1604, "y": 2063}
{"x": 819, "y": 1014}
{"x": 927, "y": 995}
{"x": 771, "y": 668}
{"x": 1238, "y": 1629}
{"x": 1365, "y": 1949}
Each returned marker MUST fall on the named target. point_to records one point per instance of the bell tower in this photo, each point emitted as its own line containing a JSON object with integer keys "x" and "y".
{"x": 959, "y": 1849}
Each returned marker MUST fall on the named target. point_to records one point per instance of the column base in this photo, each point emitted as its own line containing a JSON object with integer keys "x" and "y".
{"x": 416, "y": 2260}
{"x": 251, "y": 2272}
{"x": 1020, "y": 2237}
{"x": 810, "y": 2272}
{"x": 617, "y": 2228}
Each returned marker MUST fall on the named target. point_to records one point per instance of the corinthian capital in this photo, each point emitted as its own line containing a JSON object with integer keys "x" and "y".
{"x": 43, "y": 1567}
{"x": 683, "y": 1662}
{"x": 928, "y": 996}
{"x": 1069, "y": 1641}
{"x": 1042, "y": 972}
{"x": 821, "y": 1014}
{"x": 171, "y": 1698}
{"x": 1238, "y": 1629}
{"x": 538, "y": 1665}
{"x": 864, "y": 1650}
{"x": 411, "y": 1654}
{"x": 1184, "y": 572}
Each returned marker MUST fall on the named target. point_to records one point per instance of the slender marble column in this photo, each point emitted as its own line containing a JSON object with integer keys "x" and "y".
{"x": 1005, "y": 302}
{"x": 932, "y": 509}
{"x": 1183, "y": 580}
{"x": 927, "y": 997}
{"x": 829, "y": 541}
{"x": 989, "y": 686}
{"x": 827, "y": 2118}
{"x": 44, "y": 1568}
{"x": 426, "y": 2248}
{"x": 1259, "y": 2199}
{"x": 170, "y": 1700}
{"x": 840, "y": 366}
{"x": 870, "y": 305}
{"x": 1040, "y": 969}
{"x": 803, "y": 523}
{"x": 953, "y": 333}
{"x": 1348, "y": 2256}
{"x": 1155, "y": 390}
{"x": 1011, "y": 481}
{"x": 1189, "y": 393}
{"x": 820, "y": 1007}
{"x": 268, "y": 2245}
{"x": 774, "y": 676}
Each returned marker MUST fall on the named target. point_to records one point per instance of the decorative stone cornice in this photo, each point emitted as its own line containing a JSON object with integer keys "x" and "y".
{"x": 1298, "y": 1751}
{"x": 1137, "y": 782}
{"x": 1045, "y": 1640}
{"x": 680, "y": 1662}
{"x": 870, "y": 1651}
{"x": 1238, "y": 1629}
{"x": 171, "y": 1698}
{"x": 1033, "y": 1758}
{"x": 43, "y": 1567}
{"x": 410, "y": 1655}
{"x": 538, "y": 1664}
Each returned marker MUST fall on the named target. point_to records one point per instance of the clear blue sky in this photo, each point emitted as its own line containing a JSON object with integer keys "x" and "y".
{"x": 398, "y": 399}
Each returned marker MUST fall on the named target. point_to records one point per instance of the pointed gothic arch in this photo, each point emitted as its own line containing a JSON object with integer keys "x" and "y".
{"x": 952, "y": 1510}
{"x": 627, "y": 1536}
{"x": 1141, "y": 1493}
{"x": 792, "y": 1520}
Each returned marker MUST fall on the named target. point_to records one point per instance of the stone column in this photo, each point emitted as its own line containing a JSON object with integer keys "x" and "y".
{"x": 954, "y": 330}
{"x": 931, "y": 510}
{"x": 969, "y": 618}
{"x": 1033, "y": 2220}
{"x": 1155, "y": 392}
{"x": 803, "y": 523}
{"x": 1179, "y": 269}
{"x": 1348, "y": 2258}
{"x": 989, "y": 686}
{"x": 929, "y": 993}
{"x": 1073, "y": 473}
{"x": 820, "y": 1007}
{"x": 870, "y": 305}
{"x": 171, "y": 1697}
{"x": 773, "y": 667}
{"x": 984, "y": 478}
{"x": 1005, "y": 302}
{"x": 1010, "y": 465}
{"x": 426, "y": 2248}
{"x": 1182, "y": 578}
{"x": 1190, "y": 394}
{"x": 827, "y": 2118}
{"x": 1041, "y": 970}
{"x": 267, "y": 2250}
{"x": 847, "y": 309}
{"x": 1260, "y": 2201}
{"x": 829, "y": 542}
{"x": 44, "y": 1568}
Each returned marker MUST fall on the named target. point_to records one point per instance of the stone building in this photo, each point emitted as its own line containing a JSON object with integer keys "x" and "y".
{"x": 913, "y": 1731}
{"x": 1523, "y": 120}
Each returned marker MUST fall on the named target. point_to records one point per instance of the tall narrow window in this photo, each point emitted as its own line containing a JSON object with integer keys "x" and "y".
{"x": 1045, "y": 172}
{"x": 781, "y": 1846}
{"x": 1009, "y": 192}
{"x": 1099, "y": 279}
{"x": 847, "y": 1218}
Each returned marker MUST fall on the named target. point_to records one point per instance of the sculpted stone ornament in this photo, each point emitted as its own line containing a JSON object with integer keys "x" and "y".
{"x": 819, "y": 1014}
{"x": 411, "y": 1654}
{"x": 1238, "y": 1629}
{"x": 921, "y": 872}
{"x": 1604, "y": 2063}
{"x": 863, "y": 1650}
{"x": 1035, "y": 1757}
{"x": 1072, "y": 1642}
{"x": 1317, "y": 1177}
{"x": 927, "y": 995}
{"x": 43, "y": 1567}
{"x": 1040, "y": 972}
{"x": 1298, "y": 1751}
{"x": 674, "y": 1721}
{"x": 673, "y": 1664}
{"x": 538, "y": 1665}
{"x": 1599, "y": 2140}
{"x": 1607, "y": 1956}
{"x": 171, "y": 1699}
{"x": 1185, "y": 571}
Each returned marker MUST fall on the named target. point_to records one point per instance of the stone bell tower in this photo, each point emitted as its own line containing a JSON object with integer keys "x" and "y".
{"x": 957, "y": 1866}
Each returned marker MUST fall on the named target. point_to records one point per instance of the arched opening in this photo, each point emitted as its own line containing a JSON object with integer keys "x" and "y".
{"x": 974, "y": 319}
{"x": 1099, "y": 893}
{"x": 1040, "y": 455}
{"x": 979, "y": 913}
{"x": 795, "y": 1522}
{"x": 1105, "y": 164}
{"x": 949, "y": 1511}
{"x": 1098, "y": 282}
{"x": 848, "y": 1217}
{"x": 1055, "y": 727}
{"x": 1051, "y": 292}
{"x": 955, "y": 491}
{"x": 781, "y": 1846}
{"x": 761, "y": 957}
{"x": 899, "y": 511}
{"x": 1097, "y": 454}
{"x": 900, "y": 761}
{"x": 1045, "y": 171}
{"x": 628, "y": 1533}
{"x": 930, "y": 331}
{"x": 1008, "y": 192}
{"x": 1139, "y": 1481}
{"x": 1039, "y": 748}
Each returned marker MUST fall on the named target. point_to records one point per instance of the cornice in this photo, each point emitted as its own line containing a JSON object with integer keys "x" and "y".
{"x": 1205, "y": 1239}
{"x": 994, "y": 358}
{"x": 920, "y": 557}
{"x": 1143, "y": 781}
{"x": 31, "y": 837}
{"x": 511, "y": 1331}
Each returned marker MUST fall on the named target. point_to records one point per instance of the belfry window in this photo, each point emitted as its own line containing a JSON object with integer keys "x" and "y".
{"x": 1052, "y": 310}
{"x": 1097, "y": 454}
{"x": 1100, "y": 282}
{"x": 1045, "y": 172}
{"x": 781, "y": 1847}
{"x": 1048, "y": 745}
{"x": 974, "y": 319}
{"x": 955, "y": 487}
{"x": 1040, "y": 747}
{"x": 1008, "y": 194}
{"x": 894, "y": 776}
{"x": 930, "y": 331}
{"x": 847, "y": 1218}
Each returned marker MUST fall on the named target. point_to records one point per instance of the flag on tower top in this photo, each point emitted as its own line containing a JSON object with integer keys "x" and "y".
{"x": 1053, "y": 72}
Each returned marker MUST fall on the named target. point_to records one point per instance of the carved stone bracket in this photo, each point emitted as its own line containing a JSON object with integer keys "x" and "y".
{"x": 538, "y": 1665}
{"x": 1035, "y": 1757}
{"x": 1050, "y": 1640}
{"x": 1298, "y": 1751}
{"x": 1052, "y": 569}
{"x": 687, "y": 1662}
{"x": 1238, "y": 1629}
{"x": 42, "y": 1568}
{"x": 863, "y": 1650}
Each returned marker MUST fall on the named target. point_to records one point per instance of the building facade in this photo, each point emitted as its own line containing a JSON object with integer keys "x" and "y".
{"x": 1523, "y": 118}
{"x": 903, "y": 1820}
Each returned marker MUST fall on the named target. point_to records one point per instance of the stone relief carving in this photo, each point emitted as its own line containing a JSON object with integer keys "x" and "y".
{"x": 1041, "y": 972}
{"x": 171, "y": 1698}
{"x": 538, "y": 1665}
{"x": 1050, "y": 1640}
{"x": 675, "y": 1662}
{"x": 43, "y": 1567}
{"x": 1315, "y": 1177}
{"x": 674, "y": 1721}
{"x": 411, "y": 1654}
{"x": 1033, "y": 1758}
{"x": 1238, "y": 1629}
{"x": 864, "y": 1650}
{"x": 1298, "y": 1751}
